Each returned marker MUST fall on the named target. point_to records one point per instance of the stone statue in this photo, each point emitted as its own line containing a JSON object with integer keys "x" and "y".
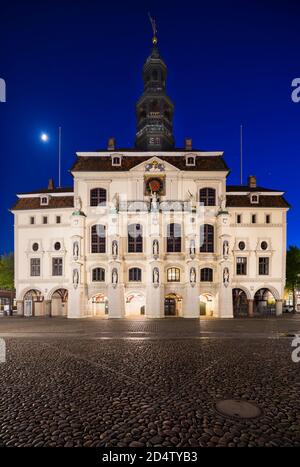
{"x": 114, "y": 276}
{"x": 154, "y": 202}
{"x": 192, "y": 247}
{"x": 75, "y": 278}
{"x": 192, "y": 275}
{"x": 155, "y": 276}
{"x": 155, "y": 247}
{"x": 76, "y": 249}
{"x": 225, "y": 248}
{"x": 222, "y": 200}
{"x": 115, "y": 248}
{"x": 226, "y": 277}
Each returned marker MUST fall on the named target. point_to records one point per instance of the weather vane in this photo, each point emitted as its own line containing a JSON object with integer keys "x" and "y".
{"x": 154, "y": 29}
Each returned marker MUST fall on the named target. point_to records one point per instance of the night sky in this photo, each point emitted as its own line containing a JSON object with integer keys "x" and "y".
{"x": 78, "y": 64}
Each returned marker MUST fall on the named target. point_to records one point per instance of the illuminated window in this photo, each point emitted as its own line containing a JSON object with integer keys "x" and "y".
{"x": 173, "y": 275}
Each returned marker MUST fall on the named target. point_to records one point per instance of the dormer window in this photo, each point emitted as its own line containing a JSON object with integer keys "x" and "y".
{"x": 116, "y": 161}
{"x": 190, "y": 160}
{"x": 254, "y": 198}
{"x": 44, "y": 200}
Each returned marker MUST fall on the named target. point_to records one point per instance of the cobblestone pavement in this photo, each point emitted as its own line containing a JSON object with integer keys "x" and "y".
{"x": 147, "y": 383}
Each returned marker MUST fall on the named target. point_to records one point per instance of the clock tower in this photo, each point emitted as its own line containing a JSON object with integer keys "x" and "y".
{"x": 154, "y": 109}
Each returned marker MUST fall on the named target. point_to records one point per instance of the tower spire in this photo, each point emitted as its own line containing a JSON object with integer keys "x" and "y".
{"x": 154, "y": 109}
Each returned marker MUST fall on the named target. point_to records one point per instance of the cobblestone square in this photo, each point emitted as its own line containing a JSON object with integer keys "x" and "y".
{"x": 148, "y": 383}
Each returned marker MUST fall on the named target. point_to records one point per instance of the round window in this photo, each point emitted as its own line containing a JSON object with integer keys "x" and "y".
{"x": 35, "y": 247}
{"x": 242, "y": 245}
{"x": 264, "y": 245}
{"x": 57, "y": 246}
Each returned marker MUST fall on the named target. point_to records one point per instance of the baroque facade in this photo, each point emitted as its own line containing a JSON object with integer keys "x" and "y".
{"x": 150, "y": 231}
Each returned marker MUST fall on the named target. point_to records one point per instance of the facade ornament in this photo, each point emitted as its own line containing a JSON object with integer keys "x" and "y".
{"x": 77, "y": 206}
{"x": 225, "y": 248}
{"x": 154, "y": 202}
{"x": 75, "y": 278}
{"x": 222, "y": 201}
{"x": 193, "y": 276}
{"x": 155, "y": 248}
{"x": 155, "y": 166}
{"x": 114, "y": 277}
{"x": 156, "y": 277}
{"x": 226, "y": 277}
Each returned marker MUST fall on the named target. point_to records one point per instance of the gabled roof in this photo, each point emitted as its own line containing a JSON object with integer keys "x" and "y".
{"x": 265, "y": 201}
{"x": 34, "y": 203}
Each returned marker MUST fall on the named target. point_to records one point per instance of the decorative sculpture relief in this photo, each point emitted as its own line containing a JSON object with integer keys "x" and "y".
{"x": 192, "y": 248}
{"x": 76, "y": 250}
{"x": 222, "y": 201}
{"x": 226, "y": 277}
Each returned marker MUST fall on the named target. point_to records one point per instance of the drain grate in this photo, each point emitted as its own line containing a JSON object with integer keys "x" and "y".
{"x": 238, "y": 409}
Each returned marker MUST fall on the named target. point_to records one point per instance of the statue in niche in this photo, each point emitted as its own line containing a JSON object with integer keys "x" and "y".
{"x": 192, "y": 247}
{"x": 115, "y": 248}
{"x": 75, "y": 278}
{"x": 114, "y": 276}
{"x": 155, "y": 247}
{"x": 192, "y": 275}
{"x": 226, "y": 277}
{"x": 154, "y": 202}
{"x": 155, "y": 276}
{"x": 225, "y": 248}
{"x": 222, "y": 200}
{"x": 76, "y": 250}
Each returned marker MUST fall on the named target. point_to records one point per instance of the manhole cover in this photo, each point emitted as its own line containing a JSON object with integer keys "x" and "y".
{"x": 238, "y": 409}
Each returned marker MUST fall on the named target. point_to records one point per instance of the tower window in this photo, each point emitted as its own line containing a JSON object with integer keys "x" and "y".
{"x": 174, "y": 238}
{"x": 98, "y": 239}
{"x": 135, "y": 238}
{"x": 207, "y": 238}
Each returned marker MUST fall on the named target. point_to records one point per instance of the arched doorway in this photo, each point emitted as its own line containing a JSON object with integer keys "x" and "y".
{"x": 59, "y": 303}
{"x": 135, "y": 304}
{"x": 99, "y": 305}
{"x": 264, "y": 303}
{"x": 33, "y": 303}
{"x": 206, "y": 304}
{"x": 173, "y": 305}
{"x": 240, "y": 303}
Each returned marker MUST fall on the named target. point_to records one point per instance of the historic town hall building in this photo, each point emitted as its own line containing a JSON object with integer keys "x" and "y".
{"x": 150, "y": 231}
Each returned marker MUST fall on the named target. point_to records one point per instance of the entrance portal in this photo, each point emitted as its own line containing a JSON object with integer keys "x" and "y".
{"x": 206, "y": 304}
{"x": 173, "y": 305}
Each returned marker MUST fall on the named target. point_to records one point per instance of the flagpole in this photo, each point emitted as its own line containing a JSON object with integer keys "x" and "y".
{"x": 59, "y": 157}
{"x": 241, "y": 152}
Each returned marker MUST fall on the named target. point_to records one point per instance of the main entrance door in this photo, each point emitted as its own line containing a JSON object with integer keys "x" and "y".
{"x": 170, "y": 307}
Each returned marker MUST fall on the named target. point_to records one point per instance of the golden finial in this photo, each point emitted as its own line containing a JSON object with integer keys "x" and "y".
{"x": 154, "y": 29}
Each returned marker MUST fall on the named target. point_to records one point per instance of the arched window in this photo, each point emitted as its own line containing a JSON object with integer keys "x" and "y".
{"x": 206, "y": 238}
{"x": 98, "y": 239}
{"x": 207, "y": 196}
{"x": 98, "y": 275}
{"x": 97, "y": 196}
{"x": 173, "y": 275}
{"x": 135, "y": 274}
{"x": 174, "y": 238}
{"x": 135, "y": 238}
{"x": 206, "y": 275}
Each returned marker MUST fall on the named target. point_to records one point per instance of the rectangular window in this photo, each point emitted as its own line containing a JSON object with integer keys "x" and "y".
{"x": 263, "y": 266}
{"x": 268, "y": 219}
{"x": 253, "y": 218}
{"x": 58, "y": 219}
{"x": 31, "y": 220}
{"x": 35, "y": 267}
{"x": 45, "y": 220}
{"x": 241, "y": 266}
{"x": 238, "y": 219}
{"x": 57, "y": 267}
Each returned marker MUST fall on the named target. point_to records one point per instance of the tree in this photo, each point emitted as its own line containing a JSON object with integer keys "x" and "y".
{"x": 293, "y": 271}
{"x": 7, "y": 271}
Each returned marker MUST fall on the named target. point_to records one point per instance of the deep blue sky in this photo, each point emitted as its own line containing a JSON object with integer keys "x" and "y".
{"x": 78, "y": 64}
